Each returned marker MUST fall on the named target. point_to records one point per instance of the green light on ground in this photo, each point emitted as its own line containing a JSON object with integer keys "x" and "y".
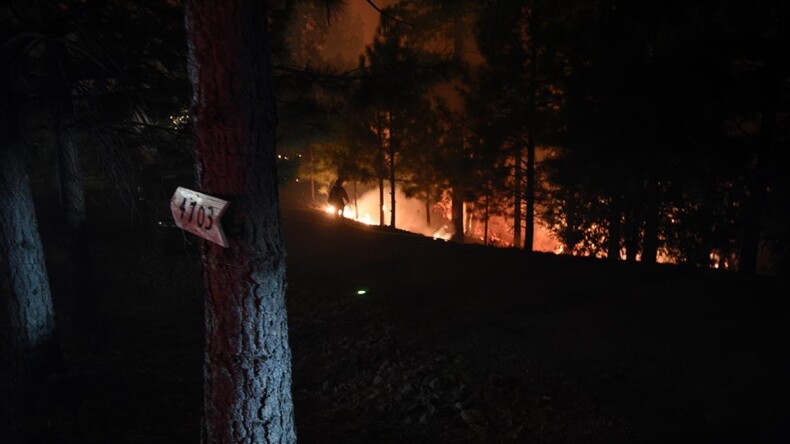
{"x": 362, "y": 292}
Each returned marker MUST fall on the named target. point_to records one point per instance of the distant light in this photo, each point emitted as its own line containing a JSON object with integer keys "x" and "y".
{"x": 279, "y": 156}
{"x": 362, "y": 292}
{"x": 297, "y": 180}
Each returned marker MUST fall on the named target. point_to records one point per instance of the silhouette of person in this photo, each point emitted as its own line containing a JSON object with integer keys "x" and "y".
{"x": 338, "y": 197}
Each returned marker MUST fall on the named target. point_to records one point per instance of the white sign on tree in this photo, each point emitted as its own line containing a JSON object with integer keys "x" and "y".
{"x": 199, "y": 214}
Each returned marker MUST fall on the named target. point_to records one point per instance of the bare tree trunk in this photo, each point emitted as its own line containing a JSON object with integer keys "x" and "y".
{"x": 72, "y": 187}
{"x": 701, "y": 256}
{"x": 356, "y": 207}
{"x": 615, "y": 214}
{"x": 652, "y": 217}
{"x": 517, "y": 198}
{"x": 632, "y": 234}
{"x": 247, "y": 368}
{"x": 312, "y": 176}
{"x": 428, "y": 207}
{"x": 487, "y": 213}
{"x": 457, "y": 190}
{"x": 458, "y": 213}
{"x": 72, "y": 182}
{"x": 529, "y": 228}
{"x": 380, "y": 168}
{"x": 755, "y": 204}
{"x": 28, "y": 343}
{"x": 392, "y": 170}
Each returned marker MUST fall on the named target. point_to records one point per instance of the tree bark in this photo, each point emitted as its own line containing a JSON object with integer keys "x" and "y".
{"x": 28, "y": 344}
{"x": 247, "y": 363}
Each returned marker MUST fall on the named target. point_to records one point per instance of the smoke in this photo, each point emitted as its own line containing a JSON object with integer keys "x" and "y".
{"x": 410, "y": 213}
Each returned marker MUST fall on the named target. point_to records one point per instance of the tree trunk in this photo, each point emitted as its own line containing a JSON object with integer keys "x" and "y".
{"x": 72, "y": 188}
{"x": 752, "y": 227}
{"x": 615, "y": 214}
{"x": 529, "y": 228}
{"x": 380, "y": 168}
{"x": 428, "y": 208}
{"x": 701, "y": 256}
{"x": 652, "y": 217}
{"x": 517, "y": 198}
{"x": 392, "y": 170}
{"x": 458, "y": 214}
{"x": 458, "y": 195}
{"x": 356, "y": 207}
{"x": 312, "y": 176}
{"x": 247, "y": 368}
{"x": 72, "y": 182}
{"x": 28, "y": 344}
{"x": 632, "y": 233}
{"x": 487, "y": 212}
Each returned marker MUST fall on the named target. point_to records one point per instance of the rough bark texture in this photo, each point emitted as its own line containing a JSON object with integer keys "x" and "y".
{"x": 247, "y": 373}
{"x": 28, "y": 345}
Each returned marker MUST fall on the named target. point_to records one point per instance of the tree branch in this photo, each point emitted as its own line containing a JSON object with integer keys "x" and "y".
{"x": 385, "y": 15}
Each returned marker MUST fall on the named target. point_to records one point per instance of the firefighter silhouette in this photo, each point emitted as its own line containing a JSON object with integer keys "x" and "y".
{"x": 338, "y": 198}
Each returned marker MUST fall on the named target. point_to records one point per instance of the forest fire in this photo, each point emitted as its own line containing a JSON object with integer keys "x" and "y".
{"x": 411, "y": 216}
{"x": 349, "y": 213}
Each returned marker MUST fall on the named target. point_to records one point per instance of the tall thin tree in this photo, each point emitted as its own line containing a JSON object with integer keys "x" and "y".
{"x": 28, "y": 344}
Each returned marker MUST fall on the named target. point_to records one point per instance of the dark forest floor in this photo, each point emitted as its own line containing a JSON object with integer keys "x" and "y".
{"x": 451, "y": 344}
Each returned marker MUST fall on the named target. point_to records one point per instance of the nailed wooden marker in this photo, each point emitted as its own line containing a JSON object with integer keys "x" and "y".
{"x": 199, "y": 214}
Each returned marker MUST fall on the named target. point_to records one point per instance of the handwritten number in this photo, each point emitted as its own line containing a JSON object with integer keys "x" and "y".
{"x": 210, "y": 217}
{"x": 192, "y": 212}
{"x": 201, "y": 217}
{"x": 205, "y": 215}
